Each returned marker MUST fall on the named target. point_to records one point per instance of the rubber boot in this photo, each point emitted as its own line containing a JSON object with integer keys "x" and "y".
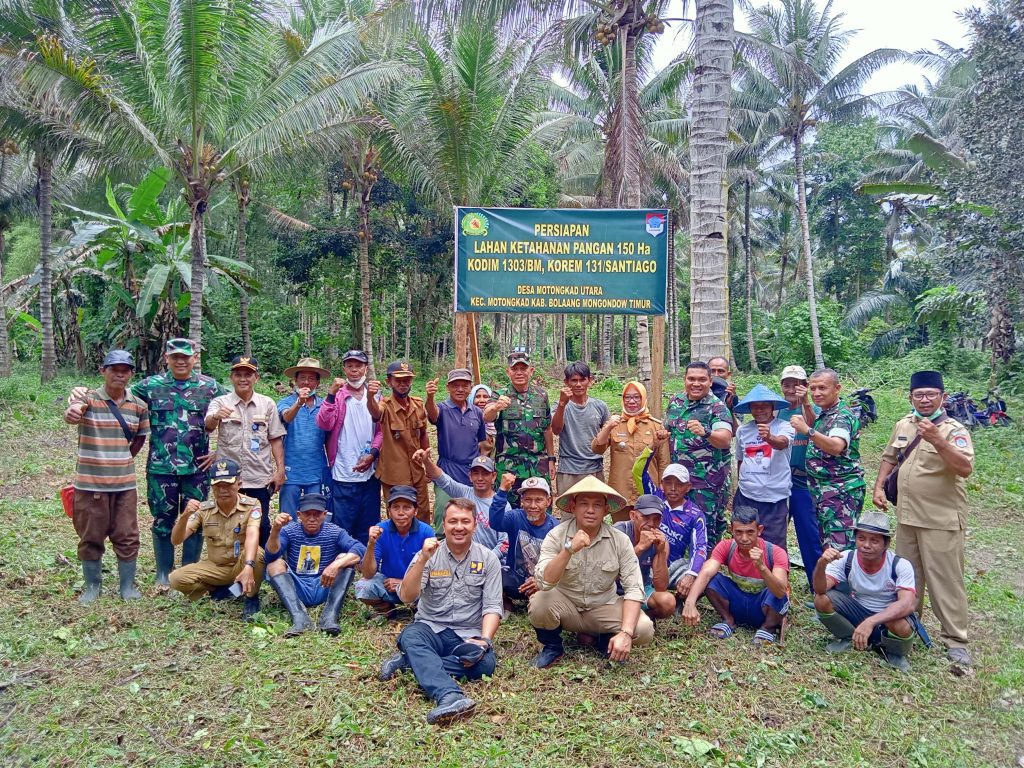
{"x": 250, "y": 608}
{"x": 840, "y": 627}
{"x": 93, "y": 581}
{"x": 285, "y": 588}
{"x": 192, "y": 549}
{"x": 894, "y": 650}
{"x": 335, "y": 599}
{"x": 551, "y": 647}
{"x": 126, "y": 574}
{"x": 163, "y": 553}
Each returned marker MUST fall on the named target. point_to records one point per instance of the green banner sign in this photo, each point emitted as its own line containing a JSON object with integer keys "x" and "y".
{"x": 561, "y": 260}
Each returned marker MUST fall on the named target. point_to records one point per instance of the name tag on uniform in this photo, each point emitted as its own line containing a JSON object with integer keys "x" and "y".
{"x": 440, "y": 574}
{"x": 901, "y": 439}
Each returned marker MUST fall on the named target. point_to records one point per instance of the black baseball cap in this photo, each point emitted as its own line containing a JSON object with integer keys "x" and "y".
{"x": 315, "y": 502}
{"x": 400, "y": 369}
{"x": 244, "y": 361}
{"x": 355, "y": 354}
{"x": 406, "y": 492}
{"x": 119, "y": 357}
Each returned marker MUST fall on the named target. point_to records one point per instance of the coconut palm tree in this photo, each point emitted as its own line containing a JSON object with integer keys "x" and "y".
{"x": 211, "y": 90}
{"x": 793, "y": 50}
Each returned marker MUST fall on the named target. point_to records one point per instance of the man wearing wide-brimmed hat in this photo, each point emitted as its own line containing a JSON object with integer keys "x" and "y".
{"x": 580, "y": 562}
{"x": 305, "y": 458}
{"x": 762, "y": 450}
{"x": 876, "y": 607}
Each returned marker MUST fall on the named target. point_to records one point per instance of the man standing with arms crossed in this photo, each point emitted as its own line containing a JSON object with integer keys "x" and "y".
{"x": 934, "y": 457}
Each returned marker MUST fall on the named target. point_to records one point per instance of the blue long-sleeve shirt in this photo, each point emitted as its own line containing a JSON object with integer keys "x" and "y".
{"x": 515, "y": 523}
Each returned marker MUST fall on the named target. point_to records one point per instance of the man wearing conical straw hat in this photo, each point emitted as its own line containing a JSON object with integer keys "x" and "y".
{"x": 580, "y": 562}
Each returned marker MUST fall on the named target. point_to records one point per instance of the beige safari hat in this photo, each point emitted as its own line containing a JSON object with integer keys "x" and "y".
{"x": 307, "y": 364}
{"x": 591, "y": 485}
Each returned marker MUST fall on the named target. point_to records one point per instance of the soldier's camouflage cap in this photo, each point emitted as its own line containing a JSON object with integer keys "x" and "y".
{"x": 226, "y": 471}
{"x": 180, "y": 346}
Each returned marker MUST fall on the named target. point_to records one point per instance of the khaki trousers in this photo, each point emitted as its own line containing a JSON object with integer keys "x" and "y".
{"x": 551, "y": 609}
{"x": 938, "y": 560}
{"x": 197, "y": 579}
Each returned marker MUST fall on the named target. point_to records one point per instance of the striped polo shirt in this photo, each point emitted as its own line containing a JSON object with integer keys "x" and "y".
{"x": 105, "y": 462}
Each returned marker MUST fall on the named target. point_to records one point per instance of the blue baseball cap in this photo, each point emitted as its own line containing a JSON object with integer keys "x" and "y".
{"x": 225, "y": 471}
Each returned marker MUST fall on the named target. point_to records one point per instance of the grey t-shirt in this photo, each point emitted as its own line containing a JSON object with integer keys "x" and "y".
{"x": 457, "y": 594}
{"x": 581, "y": 423}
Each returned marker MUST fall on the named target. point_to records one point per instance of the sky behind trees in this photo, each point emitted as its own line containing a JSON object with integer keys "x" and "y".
{"x": 906, "y": 24}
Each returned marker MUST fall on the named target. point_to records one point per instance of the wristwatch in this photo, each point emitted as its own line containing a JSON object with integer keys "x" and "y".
{"x": 568, "y": 545}
{"x": 811, "y": 431}
{"x": 251, "y": 563}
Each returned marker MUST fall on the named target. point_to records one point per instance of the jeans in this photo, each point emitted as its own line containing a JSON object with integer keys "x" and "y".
{"x": 805, "y": 522}
{"x": 356, "y": 506}
{"x": 431, "y": 659}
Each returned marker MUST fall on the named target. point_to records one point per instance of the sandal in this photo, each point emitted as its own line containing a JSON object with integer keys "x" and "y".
{"x": 764, "y": 637}
{"x": 721, "y": 631}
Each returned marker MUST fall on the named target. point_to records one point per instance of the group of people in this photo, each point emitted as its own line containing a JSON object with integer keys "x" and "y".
{"x": 610, "y": 557}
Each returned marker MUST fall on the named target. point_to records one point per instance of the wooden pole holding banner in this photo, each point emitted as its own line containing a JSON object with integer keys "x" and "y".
{"x": 474, "y": 348}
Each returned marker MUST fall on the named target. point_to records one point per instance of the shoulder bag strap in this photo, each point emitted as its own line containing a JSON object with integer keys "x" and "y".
{"x": 128, "y": 434}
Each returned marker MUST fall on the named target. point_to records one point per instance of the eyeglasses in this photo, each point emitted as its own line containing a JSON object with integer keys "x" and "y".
{"x": 925, "y": 395}
{"x": 632, "y": 397}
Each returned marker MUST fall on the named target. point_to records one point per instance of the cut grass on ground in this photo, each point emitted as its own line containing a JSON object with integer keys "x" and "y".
{"x": 169, "y": 683}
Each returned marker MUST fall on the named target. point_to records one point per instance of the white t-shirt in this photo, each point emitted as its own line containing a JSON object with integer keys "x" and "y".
{"x": 353, "y": 442}
{"x": 874, "y": 591}
{"x": 764, "y": 471}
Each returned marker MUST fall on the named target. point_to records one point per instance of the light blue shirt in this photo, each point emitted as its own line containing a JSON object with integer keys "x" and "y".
{"x": 305, "y": 458}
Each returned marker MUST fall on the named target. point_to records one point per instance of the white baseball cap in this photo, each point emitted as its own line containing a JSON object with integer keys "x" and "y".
{"x": 678, "y": 471}
{"x": 793, "y": 372}
{"x": 535, "y": 484}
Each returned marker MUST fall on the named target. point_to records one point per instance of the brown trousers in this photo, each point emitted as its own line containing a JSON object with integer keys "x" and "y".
{"x": 551, "y": 609}
{"x": 107, "y": 514}
{"x": 938, "y": 560}
{"x": 197, "y": 579}
{"x": 423, "y": 511}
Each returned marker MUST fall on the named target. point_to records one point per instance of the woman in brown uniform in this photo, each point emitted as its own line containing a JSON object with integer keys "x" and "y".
{"x": 628, "y": 435}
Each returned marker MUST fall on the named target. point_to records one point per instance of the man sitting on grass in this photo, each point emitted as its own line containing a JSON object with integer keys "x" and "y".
{"x": 754, "y": 590}
{"x": 878, "y": 611}
{"x": 392, "y": 546}
{"x": 458, "y": 584}
{"x": 526, "y": 529}
{"x": 651, "y": 547}
{"x": 311, "y": 562}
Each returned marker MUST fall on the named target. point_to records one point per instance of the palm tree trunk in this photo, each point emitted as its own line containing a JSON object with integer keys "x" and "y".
{"x": 44, "y": 169}
{"x": 364, "y": 279}
{"x": 805, "y": 233}
{"x": 197, "y": 235}
{"x": 709, "y": 146}
{"x": 751, "y": 349}
{"x": 242, "y": 194}
{"x": 410, "y": 281}
{"x": 5, "y": 339}
{"x": 784, "y": 254}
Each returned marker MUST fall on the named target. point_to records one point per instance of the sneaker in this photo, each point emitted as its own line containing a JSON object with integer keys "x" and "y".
{"x": 959, "y": 656}
{"x": 393, "y": 666}
{"x": 452, "y": 706}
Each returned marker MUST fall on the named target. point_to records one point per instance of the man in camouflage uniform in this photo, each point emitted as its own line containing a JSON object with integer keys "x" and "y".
{"x": 700, "y": 438}
{"x": 179, "y": 448}
{"x": 522, "y": 416}
{"x": 835, "y": 477}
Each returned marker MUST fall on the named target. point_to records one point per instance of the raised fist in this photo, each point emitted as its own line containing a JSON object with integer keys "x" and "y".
{"x": 335, "y": 385}
{"x": 430, "y": 546}
{"x": 507, "y": 481}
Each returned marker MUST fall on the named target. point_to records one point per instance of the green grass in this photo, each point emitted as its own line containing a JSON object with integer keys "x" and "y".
{"x": 168, "y": 683}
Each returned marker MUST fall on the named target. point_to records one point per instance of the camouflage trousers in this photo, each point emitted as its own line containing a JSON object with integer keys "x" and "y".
{"x": 168, "y": 495}
{"x": 837, "y": 509}
{"x": 712, "y": 502}
{"x": 522, "y": 469}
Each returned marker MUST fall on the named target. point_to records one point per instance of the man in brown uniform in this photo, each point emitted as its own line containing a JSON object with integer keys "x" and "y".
{"x": 934, "y": 456}
{"x": 231, "y": 525}
{"x": 403, "y": 424}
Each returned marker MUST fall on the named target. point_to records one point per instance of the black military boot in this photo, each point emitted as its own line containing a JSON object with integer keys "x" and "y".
{"x": 551, "y": 647}
{"x": 163, "y": 553}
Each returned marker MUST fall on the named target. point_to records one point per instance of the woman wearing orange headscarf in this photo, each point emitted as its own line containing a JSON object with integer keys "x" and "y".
{"x": 628, "y": 435}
